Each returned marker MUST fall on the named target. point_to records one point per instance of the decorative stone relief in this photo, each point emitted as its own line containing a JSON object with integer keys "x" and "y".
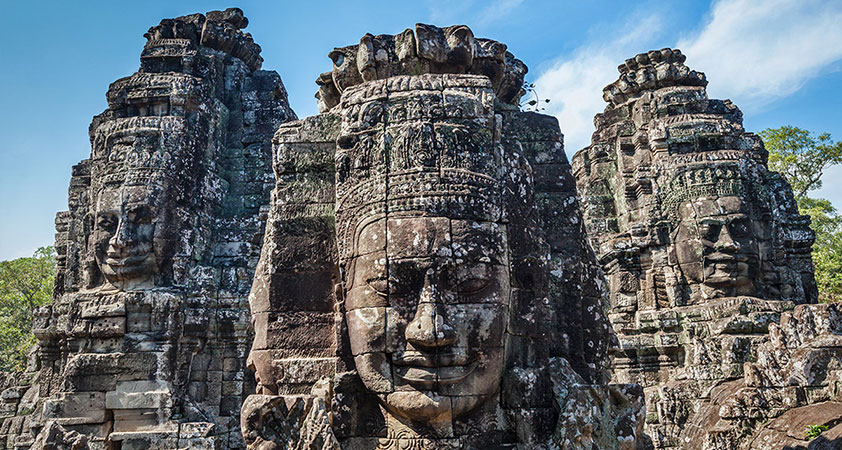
{"x": 793, "y": 383}
{"x": 702, "y": 245}
{"x": 424, "y": 281}
{"x": 144, "y": 344}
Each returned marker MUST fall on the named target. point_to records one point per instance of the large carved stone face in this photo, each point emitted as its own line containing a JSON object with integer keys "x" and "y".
{"x": 718, "y": 246}
{"x": 426, "y": 306}
{"x": 127, "y": 236}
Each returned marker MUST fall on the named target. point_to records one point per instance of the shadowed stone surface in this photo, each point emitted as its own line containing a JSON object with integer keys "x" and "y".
{"x": 794, "y": 382}
{"x": 702, "y": 245}
{"x": 425, "y": 281}
{"x": 144, "y": 344}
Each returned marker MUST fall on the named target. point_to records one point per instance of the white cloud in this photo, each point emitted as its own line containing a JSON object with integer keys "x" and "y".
{"x": 574, "y": 85}
{"x": 499, "y": 9}
{"x": 470, "y": 12}
{"x": 752, "y": 52}
{"x": 757, "y": 51}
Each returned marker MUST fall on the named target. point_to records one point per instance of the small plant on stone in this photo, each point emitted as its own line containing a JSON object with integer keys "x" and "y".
{"x": 534, "y": 103}
{"x": 813, "y": 431}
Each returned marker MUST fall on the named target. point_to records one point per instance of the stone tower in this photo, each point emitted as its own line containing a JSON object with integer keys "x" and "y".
{"x": 702, "y": 245}
{"x": 145, "y": 341}
{"x": 425, "y": 282}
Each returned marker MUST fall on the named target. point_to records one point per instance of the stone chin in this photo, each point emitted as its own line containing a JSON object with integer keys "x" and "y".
{"x": 430, "y": 406}
{"x": 730, "y": 274}
{"x": 130, "y": 269}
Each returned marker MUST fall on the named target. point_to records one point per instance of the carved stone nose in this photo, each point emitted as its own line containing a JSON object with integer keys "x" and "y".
{"x": 124, "y": 235}
{"x": 726, "y": 241}
{"x": 429, "y": 328}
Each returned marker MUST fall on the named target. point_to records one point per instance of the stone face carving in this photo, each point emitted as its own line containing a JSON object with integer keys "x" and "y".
{"x": 145, "y": 342}
{"x": 703, "y": 247}
{"x": 424, "y": 282}
{"x": 721, "y": 240}
{"x": 128, "y": 237}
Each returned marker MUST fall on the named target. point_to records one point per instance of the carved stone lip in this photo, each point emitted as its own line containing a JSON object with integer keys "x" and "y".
{"x": 431, "y": 360}
{"x": 431, "y": 377}
{"x": 729, "y": 257}
{"x": 126, "y": 261}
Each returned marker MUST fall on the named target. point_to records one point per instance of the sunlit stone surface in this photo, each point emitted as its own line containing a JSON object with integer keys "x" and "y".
{"x": 425, "y": 281}
{"x": 705, "y": 253}
{"x": 145, "y": 341}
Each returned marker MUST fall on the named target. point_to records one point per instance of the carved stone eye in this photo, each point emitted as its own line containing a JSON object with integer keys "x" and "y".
{"x": 710, "y": 231}
{"x": 346, "y": 142}
{"x": 472, "y": 285}
{"x": 107, "y": 222}
{"x": 379, "y": 285}
{"x": 338, "y": 58}
{"x": 739, "y": 228}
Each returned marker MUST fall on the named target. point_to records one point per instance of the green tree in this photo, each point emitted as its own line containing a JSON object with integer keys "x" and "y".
{"x": 802, "y": 157}
{"x": 25, "y": 284}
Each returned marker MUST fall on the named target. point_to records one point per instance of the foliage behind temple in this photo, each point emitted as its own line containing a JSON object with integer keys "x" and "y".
{"x": 25, "y": 284}
{"x": 802, "y": 157}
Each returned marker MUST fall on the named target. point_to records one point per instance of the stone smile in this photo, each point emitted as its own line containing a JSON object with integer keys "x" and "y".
{"x": 127, "y": 261}
{"x": 433, "y": 370}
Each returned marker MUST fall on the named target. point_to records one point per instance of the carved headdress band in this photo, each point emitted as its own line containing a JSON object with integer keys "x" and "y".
{"x": 426, "y": 49}
{"x": 134, "y": 151}
{"x": 710, "y": 180}
{"x": 398, "y": 154}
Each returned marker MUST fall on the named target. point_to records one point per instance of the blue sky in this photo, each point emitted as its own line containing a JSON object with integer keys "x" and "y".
{"x": 780, "y": 61}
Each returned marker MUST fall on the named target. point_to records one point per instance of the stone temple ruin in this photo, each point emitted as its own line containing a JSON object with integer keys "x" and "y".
{"x": 418, "y": 273}
{"x": 705, "y": 254}
{"x": 145, "y": 342}
{"x": 406, "y": 297}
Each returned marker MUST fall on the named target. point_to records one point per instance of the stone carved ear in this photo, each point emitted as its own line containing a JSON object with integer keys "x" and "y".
{"x": 338, "y": 294}
{"x": 337, "y": 57}
{"x": 92, "y": 276}
{"x": 365, "y": 58}
{"x": 343, "y": 161}
{"x": 529, "y": 273}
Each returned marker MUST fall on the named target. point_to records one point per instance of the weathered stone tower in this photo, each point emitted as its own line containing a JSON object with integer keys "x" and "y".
{"x": 702, "y": 245}
{"x": 425, "y": 281}
{"x": 144, "y": 344}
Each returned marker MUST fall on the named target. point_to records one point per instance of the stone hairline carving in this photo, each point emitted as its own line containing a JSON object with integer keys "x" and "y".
{"x": 435, "y": 170}
{"x": 429, "y": 49}
{"x": 709, "y": 180}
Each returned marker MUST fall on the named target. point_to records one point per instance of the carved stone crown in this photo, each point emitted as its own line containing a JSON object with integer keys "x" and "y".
{"x": 219, "y": 30}
{"x": 720, "y": 180}
{"x": 650, "y": 71}
{"x": 426, "y": 50}
{"x": 404, "y": 148}
{"x": 135, "y": 151}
